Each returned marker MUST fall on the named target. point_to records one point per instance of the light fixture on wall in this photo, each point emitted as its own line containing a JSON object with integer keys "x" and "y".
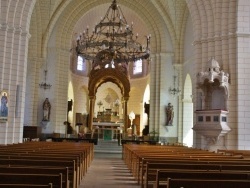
{"x": 175, "y": 91}
{"x": 45, "y": 85}
{"x": 112, "y": 39}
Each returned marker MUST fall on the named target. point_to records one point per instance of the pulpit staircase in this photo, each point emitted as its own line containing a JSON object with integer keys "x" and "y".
{"x": 107, "y": 146}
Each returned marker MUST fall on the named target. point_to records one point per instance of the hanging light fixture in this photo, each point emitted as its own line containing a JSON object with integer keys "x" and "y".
{"x": 175, "y": 91}
{"x": 45, "y": 85}
{"x": 112, "y": 39}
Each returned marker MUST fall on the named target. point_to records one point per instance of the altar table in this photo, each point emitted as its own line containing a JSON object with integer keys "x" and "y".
{"x": 108, "y": 130}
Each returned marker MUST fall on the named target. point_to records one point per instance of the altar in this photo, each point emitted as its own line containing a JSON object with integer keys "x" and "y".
{"x": 107, "y": 116}
{"x": 108, "y": 130}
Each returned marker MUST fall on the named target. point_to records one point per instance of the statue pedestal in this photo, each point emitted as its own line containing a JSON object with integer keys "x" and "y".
{"x": 46, "y": 127}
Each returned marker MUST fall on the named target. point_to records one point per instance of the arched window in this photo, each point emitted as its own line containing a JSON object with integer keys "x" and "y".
{"x": 81, "y": 63}
{"x": 137, "y": 68}
{"x": 110, "y": 65}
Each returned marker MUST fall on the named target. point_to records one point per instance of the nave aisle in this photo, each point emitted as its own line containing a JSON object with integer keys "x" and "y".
{"x": 108, "y": 170}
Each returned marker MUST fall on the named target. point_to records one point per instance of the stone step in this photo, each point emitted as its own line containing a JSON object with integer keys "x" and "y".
{"x": 107, "y": 146}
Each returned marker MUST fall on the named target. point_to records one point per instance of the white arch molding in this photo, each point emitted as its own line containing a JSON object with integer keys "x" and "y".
{"x": 146, "y": 99}
{"x": 187, "y": 131}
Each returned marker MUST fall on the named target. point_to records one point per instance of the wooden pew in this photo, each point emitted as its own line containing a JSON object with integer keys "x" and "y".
{"x": 42, "y": 152}
{"x": 39, "y": 179}
{"x": 37, "y": 170}
{"x": 25, "y": 186}
{"x": 152, "y": 164}
{"x": 191, "y": 174}
{"x": 134, "y": 157}
{"x": 43, "y": 163}
{"x": 71, "y": 176}
{"x": 46, "y": 150}
{"x": 161, "y": 176}
{"x": 137, "y": 156}
{"x": 218, "y": 165}
{"x": 197, "y": 183}
{"x": 245, "y": 153}
{"x": 153, "y": 168}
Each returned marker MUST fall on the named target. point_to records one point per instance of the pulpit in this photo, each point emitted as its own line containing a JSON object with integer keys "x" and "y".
{"x": 212, "y": 112}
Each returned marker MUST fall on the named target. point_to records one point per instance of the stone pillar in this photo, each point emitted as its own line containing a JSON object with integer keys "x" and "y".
{"x": 125, "y": 113}
{"x": 91, "y": 111}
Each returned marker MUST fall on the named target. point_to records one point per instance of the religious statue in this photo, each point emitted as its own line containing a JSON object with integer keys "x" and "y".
{"x": 46, "y": 110}
{"x": 170, "y": 114}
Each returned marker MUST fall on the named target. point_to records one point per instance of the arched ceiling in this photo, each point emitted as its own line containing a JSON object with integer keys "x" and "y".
{"x": 159, "y": 18}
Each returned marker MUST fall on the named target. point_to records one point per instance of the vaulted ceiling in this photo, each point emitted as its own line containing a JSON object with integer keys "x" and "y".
{"x": 73, "y": 16}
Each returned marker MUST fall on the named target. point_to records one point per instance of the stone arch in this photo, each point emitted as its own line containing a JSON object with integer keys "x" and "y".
{"x": 109, "y": 75}
{"x": 14, "y": 29}
{"x": 57, "y": 32}
{"x": 76, "y": 9}
{"x": 187, "y": 132}
{"x": 98, "y": 77}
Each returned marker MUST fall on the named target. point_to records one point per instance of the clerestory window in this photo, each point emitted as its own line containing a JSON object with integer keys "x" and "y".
{"x": 81, "y": 63}
{"x": 137, "y": 68}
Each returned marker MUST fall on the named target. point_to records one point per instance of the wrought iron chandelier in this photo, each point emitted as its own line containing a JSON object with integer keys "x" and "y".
{"x": 45, "y": 85}
{"x": 175, "y": 91}
{"x": 113, "y": 39}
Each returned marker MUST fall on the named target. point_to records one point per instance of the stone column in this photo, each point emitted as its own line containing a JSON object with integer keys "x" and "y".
{"x": 125, "y": 113}
{"x": 91, "y": 111}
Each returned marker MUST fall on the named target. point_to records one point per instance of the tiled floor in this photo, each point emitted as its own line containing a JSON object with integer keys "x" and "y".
{"x": 108, "y": 171}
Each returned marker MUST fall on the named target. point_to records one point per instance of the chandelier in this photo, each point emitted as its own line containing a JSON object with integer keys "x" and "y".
{"x": 113, "y": 39}
{"x": 45, "y": 85}
{"x": 175, "y": 91}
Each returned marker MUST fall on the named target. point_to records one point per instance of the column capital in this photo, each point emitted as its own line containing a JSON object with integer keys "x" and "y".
{"x": 92, "y": 97}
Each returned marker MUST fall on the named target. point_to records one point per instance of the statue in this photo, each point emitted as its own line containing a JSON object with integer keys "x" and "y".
{"x": 46, "y": 110}
{"x": 170, "y": 114}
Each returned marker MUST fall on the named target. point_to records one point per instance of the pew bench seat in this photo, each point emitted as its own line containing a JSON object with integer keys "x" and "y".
{"x": 38, "y": 179}
{"x": 163, "y": 175}
{"x": 38, "y": 170}
{"x": 25, "y": 186}
{"x": 198, "y": 183}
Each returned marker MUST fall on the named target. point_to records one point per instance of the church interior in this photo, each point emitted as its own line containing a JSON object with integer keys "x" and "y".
{"x": 170, "y": 73}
